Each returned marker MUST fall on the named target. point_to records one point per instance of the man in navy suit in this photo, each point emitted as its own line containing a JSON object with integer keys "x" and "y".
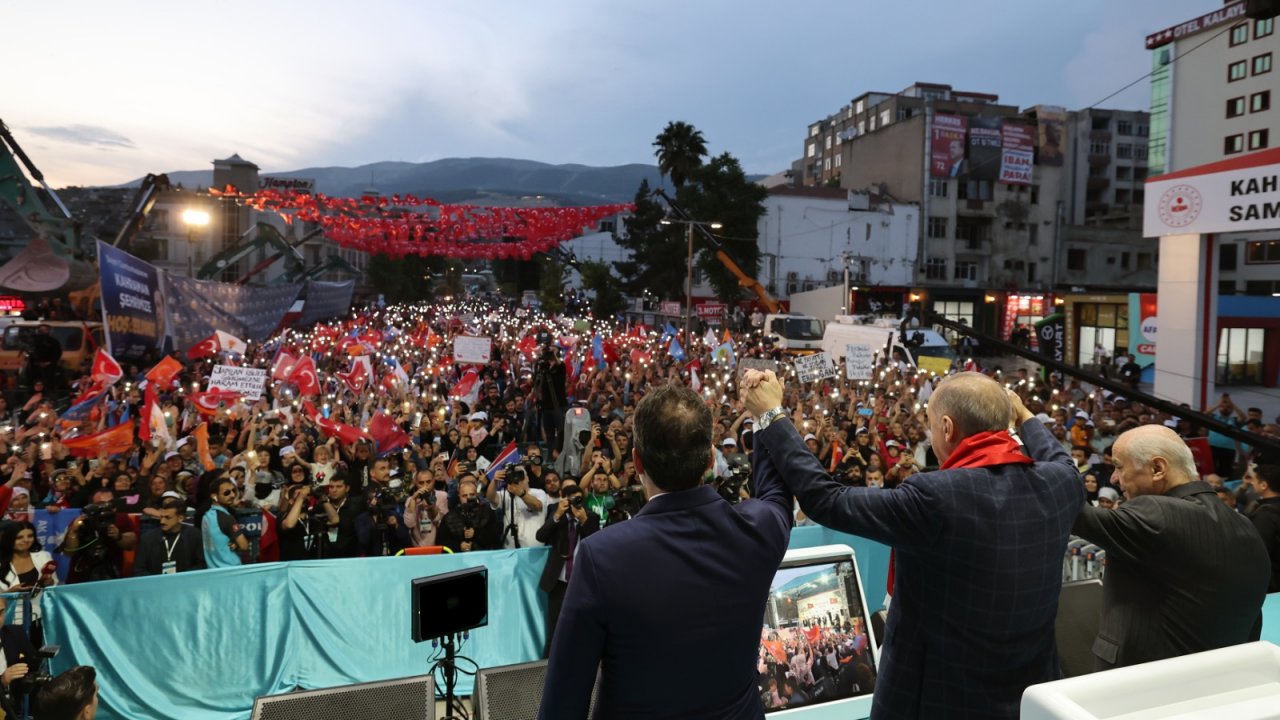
{"x": 978, "y": 547}
{"x": 669, "y": 605}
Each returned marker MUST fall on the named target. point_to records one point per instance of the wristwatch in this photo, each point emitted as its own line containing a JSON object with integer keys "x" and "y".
{"x": 768, "y": 416}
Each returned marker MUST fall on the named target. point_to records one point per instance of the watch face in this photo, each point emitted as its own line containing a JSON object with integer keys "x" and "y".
{"x": 1180, "y": 205}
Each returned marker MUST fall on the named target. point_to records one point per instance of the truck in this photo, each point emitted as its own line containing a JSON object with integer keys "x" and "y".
{"x": 792, "y": 333}
{"x": 922, "y": 347}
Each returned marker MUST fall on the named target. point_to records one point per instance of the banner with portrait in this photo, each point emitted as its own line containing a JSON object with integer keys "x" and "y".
{"x": 1053, "y": 134}
{"x": 198, "y": 308}
{"x": 946, "y": 145}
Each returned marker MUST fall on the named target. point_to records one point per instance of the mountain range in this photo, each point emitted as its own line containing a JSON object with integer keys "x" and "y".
{"x": 494, "y": 181}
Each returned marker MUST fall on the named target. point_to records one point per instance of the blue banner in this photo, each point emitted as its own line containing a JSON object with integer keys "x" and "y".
{"x": 133, "y": 302}
{"x": 199, "y": 307}
{"x": 51, "y": 527}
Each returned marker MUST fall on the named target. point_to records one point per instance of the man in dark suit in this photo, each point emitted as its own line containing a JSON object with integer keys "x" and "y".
{"x": 669, "y": 604}
{"x": 978, "y": 548}
{"x": 19, "y": 661}
{"x": 1185, "y": 573}
{"x": 567, "y": 524}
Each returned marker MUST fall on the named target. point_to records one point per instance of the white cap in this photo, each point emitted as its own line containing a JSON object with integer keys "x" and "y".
{"x": 172, "y": 494}
{"x": 893, "y": 444}
{"x": 287, "y": 450}
{"x": 810, "y": 436}
{"x": 170, "y": 455}
{"x": 1109, "y": 493}
{"x": 1171, "y": 423}
{"x": 183, "y": 441}
{"x": 1082, "y": 414}
{"x": 481, "y": 416}
{"x": 728, "y": 441}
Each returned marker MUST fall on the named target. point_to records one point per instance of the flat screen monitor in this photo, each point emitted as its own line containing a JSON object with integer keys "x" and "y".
{"x": 817, "y": 647}
{"x": 450, "y": 603}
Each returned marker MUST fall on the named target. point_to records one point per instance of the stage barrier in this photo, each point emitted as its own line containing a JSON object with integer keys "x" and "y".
{"x": 204, "y": 644}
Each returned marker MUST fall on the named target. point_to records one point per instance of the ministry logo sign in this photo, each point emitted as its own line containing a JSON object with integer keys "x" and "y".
{"x": 1180, "y": 205}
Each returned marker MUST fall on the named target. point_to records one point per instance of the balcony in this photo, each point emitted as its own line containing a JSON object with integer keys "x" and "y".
{"x": 1096, "y": 208}
{"x": 1099, "y": 159}
{"x": 1098, "y": 183}
{"x": 1100, "y": 136}
{"x": 972, "y": 248}
{"x": 976, "y": 208}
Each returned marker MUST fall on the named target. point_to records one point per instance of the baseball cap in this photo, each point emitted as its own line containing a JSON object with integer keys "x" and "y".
{"x": 481, "y": 416}
{"x": 170, "y": 455}
{"x": 893, "y": 444}
{"x": 182, "y": 442}
{"x": 287, "y": 450}
{"x": 172, "y": 494}
{"x": 810, "y": 436}
{"x": 728, "y": 441}
{"x": 1171, "y": 423}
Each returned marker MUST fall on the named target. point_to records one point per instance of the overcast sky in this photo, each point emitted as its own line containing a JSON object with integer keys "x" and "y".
{"x": 101, "y": 93}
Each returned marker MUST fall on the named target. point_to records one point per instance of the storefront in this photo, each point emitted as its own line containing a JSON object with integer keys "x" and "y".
{"x": 1022, "y": 312}
{"x": 1096, "y": 325}
{"x": 969, "y": 307}
{"x": 1248, "y": 350}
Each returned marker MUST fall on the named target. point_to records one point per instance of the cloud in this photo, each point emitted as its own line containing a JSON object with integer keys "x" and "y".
{"x": 90, "y": 135}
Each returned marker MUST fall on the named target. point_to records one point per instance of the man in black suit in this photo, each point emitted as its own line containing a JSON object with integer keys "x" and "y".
{"x": 1185, "y": 573}
{"x": 176, "y": 547}
{"x": 19, "y": 661}
{"x": 668, "y": 605}
{"x": 567, "y": 524}
{"x": 1265, "y": 480}
{"x": 978, "y": 547}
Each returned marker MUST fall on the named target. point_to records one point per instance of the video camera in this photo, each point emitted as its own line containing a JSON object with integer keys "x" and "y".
{"x": 627, "y": 502}
{"x": 730, "y": 488}
{"x": 39, "y": 674}
{"x": 471, "y": 510}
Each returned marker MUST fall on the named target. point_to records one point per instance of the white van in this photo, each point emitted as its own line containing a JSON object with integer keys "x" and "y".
{"x": 933, "y": 353}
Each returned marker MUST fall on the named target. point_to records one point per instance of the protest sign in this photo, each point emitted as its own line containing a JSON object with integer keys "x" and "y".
{"x": 247, "y": 381}
{"x": 858, "y": 362}
{"x": 817, "y": 366}
{"x": 468, "y": 349}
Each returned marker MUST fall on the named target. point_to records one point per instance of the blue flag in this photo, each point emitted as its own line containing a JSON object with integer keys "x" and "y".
{"x": 724, "y": 354}
{"x": 675, "y": 350}
{"x": 597, "y": 350}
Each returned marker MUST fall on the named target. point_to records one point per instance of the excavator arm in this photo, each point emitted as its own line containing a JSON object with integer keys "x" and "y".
{"x": 140, "y": 207}
{"x": 330, "y": 264}
{"x": 766, "y": 300}
{"x": 265, "y": 235}
{"x": 41, "y": 208}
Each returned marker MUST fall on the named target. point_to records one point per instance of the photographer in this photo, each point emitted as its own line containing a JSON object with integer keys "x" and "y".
{"x": 566, "y": 524}
{"x": 424, "y": 509}
{"x": 306, "y": 522}
{"x": 175, "y": 548}
{"x": 519, "y": 506}
{"x": 599, "y": 500}
{"x": 342, "y": 541}
{"x": 224, "y": 541}
{"x": 472, "y": 525}
{"x": 381, "y": 530}
{"x": 97, "y": 540}
{"x": 533, "y": 466}
{"x": 549, "y": 380}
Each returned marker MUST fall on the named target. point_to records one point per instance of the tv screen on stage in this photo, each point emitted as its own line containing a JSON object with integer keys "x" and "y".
{"x": 816, "y": 645}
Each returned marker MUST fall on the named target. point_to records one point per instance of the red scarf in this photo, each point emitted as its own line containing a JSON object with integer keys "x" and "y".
{"x": 986, "y": 449}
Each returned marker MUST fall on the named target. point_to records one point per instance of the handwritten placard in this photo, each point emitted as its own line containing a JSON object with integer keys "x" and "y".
{"x": 468, "y": 349}
{"x": 247, "y": 381}
{"x": 818, "y": 366}
{"x": 859, "y": 362}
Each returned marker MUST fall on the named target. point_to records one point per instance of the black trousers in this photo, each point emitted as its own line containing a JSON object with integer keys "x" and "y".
{"x": 555, "y": 601}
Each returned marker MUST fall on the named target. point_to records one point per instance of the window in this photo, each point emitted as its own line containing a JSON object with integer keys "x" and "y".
{"x": 936, "y": 269}
{"x": 812, "y": 150}
{"x": 1263, "y": 28}
{"x": 1123, "y": 172}
{"x": 837, "y": 161}
{"x": 608, "y": 226}
{"x": 1262, "y": 252}
{"x": 1139, "y": 152}
{"x": 974, "y": 232}
{"x": 886, "y": 116}
{"x": 1075, "y": 259}
{"x": 873, "y": 123}
{"x": 1260, "y": 101}
{"x": 1122, "y": 196}
{"x": 1104, "y": 324}
{"x": 1240, "y": 356}
{"x": 1262, "y": 64}
{"x": 1143, "y": 130}
{"x": 1237, "y": 71}
{"x": 1139, "y": 173}
{"x": 1099, "y": 148}
{"x": 813, "y": 131}
{"x": 937, "y": 187}
{"x": 1258, "y": 139}
{"x": 1139, "y": 197}
{"x": 937, "y": 227}
{"x": 1239, "y": 35}
{"x": 974, "y": 189}
{"x": 1035, "y": 194}
{"x": 828, "y": 143}
{"x": 1124, "y": 260}
{"x": 955, "y": 311}
{"x": 826, "y": 165}
{"x": 1146, "y": 261}
{"x": 858, "y": 107}
{"x": 1235, "y": 107}
{"x": 1124, "y": 151}
{"x": 1033, "y": 234}
{"x": 1124, "y": 127}
{"x": 862, "y": 127}
{"x": 1227, "y": 256}
{"x": 1233, "y": 144}
{"x": 1260, "y": 287}
{"x": 1226, "y": 287}
{"x": 966, "y": 270}
{"x": 904, "y": 113}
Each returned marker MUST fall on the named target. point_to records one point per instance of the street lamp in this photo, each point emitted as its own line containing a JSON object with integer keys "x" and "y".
{"x": 193, "y": 218}
{"x": 688, "y": 279}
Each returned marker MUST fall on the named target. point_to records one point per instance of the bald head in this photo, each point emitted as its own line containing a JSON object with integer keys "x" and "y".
{"x": 964, "y": 405}
{"x": 1151, "y": 460}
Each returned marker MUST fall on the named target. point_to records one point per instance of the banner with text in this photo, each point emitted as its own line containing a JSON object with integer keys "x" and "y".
{"x": 1018, "y": 154}
{"x": 1234, "y": 195}
{"x": 197, "y": 308}
{"x": 815, "y": 367}
{"x": 325, "y": 301}
{"x": 133, "y": 306}
{"x": 710, "y": 310}
{"x": 468, "y": 349}
{"x": 984, "y": 148}
{"x": 859, "y": 362}
{"x": 247, "y": 381}
{"x": 1143, "y": 324}
{"x": 1052, "y": 334}
{"x": 1052, "y": 121}
{"x": 946, "y": 145}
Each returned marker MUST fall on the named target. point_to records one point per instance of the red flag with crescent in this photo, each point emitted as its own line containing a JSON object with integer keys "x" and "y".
{"x": 304, "y": 376}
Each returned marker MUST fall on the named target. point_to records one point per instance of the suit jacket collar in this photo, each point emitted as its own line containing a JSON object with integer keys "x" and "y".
{"x": 682, "y": 500}
{"x": 1188, "y": 489}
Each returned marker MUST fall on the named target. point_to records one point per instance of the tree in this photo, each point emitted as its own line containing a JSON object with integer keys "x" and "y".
{"x": 551, "y": 286}
{"x": 680, "y": 149}
{"x": 653, "y": 248}
{"x": 720, "y": 192}
{"x": 598, "y": 278}
{"x": 404, "y": 279}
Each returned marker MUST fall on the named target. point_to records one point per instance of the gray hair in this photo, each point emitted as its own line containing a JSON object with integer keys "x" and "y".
{"x": 974, "y": 402}
{"x": 1152, "y": 441}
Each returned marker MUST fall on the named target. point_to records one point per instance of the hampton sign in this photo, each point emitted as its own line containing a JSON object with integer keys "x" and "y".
{"x": 1234, "y": 195}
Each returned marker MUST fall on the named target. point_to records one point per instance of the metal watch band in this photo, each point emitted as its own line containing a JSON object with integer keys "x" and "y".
{"x": 768, "y": 416}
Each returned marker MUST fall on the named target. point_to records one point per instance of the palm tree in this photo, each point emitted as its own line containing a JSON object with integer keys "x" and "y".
{"x": 680, "y": 149}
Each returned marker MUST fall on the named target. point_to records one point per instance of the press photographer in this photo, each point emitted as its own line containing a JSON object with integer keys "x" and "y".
{"x": 566, "y": 524}
{"x": 519, "y": 506}
{"x": 472, "y": 525}
{"x": 342, "y": 541}
{"x": 381, "y": 529}
{"x": 424, "y": 509}
{"x": 96, "y": 540}
{"x": 306, "y": 524}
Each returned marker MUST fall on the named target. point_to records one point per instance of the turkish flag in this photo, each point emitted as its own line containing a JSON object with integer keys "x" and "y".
{"x": 345, "y": 433}
{"x": 283, "y": 365}
{"x": 208, "y": 403}
{"x": 304, "y": 376}
{"x": 358, "y": 376}
{"x": 387, "y": 435}
{"x": 528, "y": 344}
{"x": 164, "y": 372}
{"x": 106, "y": 371}
{"x": 113, "y": 441}
{"x": 207, "y": 347}
{"x": 1202, "y": 453}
